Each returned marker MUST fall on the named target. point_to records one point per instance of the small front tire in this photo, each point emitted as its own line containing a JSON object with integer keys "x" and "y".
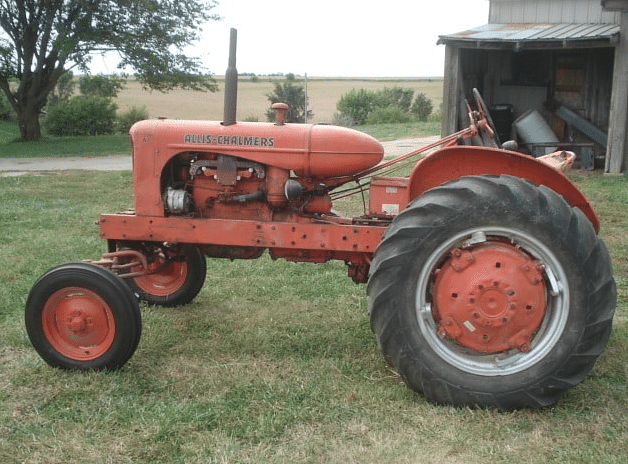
{"x": 82, "y": 316}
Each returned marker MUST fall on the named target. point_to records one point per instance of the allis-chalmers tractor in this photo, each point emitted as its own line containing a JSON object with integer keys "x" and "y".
{"x": 487, "y": 283}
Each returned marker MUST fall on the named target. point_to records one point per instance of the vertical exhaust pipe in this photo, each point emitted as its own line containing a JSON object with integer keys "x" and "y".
{"x": 231, "y": 83}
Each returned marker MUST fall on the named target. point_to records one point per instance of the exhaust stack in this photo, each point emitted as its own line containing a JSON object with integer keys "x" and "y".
{"x": 231, "y": 83}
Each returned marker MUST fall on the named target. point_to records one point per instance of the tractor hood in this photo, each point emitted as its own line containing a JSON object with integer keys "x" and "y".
{"x": 314, "y": 151}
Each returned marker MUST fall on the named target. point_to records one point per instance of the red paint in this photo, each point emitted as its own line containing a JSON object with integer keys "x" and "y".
{"x": 162, "y": 279}
{"x": 490, "y": 298}
{"x": 78, "y": 323}
{"x": 453, "y": 162}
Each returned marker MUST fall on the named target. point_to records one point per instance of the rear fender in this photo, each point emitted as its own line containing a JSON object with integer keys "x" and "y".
{"x": 451, "y": 163}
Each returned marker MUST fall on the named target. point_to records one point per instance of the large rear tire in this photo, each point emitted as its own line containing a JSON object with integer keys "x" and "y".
{"x": 82, "y": 316}
{"x": 492, "y": 292}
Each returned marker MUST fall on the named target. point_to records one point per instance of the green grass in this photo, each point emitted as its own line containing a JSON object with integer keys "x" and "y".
{"x": 273, "y": 362}
{"x": 388, "y": 132}
{"x": 9, "y": 132}
{"x": 49, "y": 146}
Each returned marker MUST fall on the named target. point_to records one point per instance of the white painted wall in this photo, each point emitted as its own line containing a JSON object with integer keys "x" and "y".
{"x": 550, "y": 11}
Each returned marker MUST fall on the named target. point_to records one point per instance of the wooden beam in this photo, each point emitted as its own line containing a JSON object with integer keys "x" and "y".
{"x": 451, "y": 85}
{"x": 617, "y": 149}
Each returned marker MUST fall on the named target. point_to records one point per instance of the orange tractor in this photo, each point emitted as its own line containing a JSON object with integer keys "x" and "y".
{"x": 487, "y": 283}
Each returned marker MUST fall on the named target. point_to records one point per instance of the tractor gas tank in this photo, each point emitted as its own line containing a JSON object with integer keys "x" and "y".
{"x": 315, "y": 151}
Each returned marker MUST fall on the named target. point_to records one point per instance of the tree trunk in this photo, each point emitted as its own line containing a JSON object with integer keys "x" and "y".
{"x": 31, "y": 97}
{"x": 28, "y": 120}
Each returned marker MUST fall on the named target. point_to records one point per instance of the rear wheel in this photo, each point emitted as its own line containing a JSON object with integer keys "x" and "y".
{"x": 176, "y": 276}
{"x": 82, "y": 316}
{"x": 491, "y": 291}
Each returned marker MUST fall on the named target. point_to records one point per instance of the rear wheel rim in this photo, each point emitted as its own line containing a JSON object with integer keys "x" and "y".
{"x": 78, "y": 323}
{"x": 494, "y": 361}
{"x": 166, "y": 281}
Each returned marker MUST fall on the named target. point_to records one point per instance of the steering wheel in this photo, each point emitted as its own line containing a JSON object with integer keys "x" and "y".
{"x": 488, "y": 132}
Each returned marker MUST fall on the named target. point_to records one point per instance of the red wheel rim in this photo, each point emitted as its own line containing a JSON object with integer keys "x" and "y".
{"x": 490, "y": 298}
{"x": 165, "y": 282}
{"x": 78, "y": 323}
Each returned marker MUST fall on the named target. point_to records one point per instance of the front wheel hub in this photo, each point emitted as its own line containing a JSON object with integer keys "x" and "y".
{"x": 78, "y": 323}
{"x": 489, "y": 298}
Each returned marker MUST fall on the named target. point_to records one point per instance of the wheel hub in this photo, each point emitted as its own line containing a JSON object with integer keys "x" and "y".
{"x": 490, "y": 298}
{"x": 78, "y": 323}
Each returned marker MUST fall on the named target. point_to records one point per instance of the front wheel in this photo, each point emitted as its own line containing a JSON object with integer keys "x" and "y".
{"x": 82, "y": 316}
{"x": 491, "y": 291}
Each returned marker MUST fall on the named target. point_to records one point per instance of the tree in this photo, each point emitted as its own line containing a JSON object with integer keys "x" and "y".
{"x": 83, "y": 116}
{"x": 292, "y": 94}
{"x": 63, "y": 91}
{"x": 5, "y": 108}
{"x": 422, "y": 107}
{"x": 41, "y": 40}
{"x": 100, "y": 86}
{"x": 357, "y": 105}
{"x": 397, "y": 96}
{"x": 91, "y": 113}
{"x": 384, "y": 106}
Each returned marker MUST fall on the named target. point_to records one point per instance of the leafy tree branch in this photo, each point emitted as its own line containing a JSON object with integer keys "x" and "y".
{"x": 41, "y": 40}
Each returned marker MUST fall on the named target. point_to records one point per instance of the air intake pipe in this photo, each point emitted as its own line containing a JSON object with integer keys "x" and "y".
{"x": 231, "y": 83}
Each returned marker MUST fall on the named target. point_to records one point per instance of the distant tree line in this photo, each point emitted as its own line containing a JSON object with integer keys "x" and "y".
{"x": 388, "y": 105}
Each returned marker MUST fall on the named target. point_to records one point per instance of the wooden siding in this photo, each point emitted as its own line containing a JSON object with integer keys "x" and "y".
{"x": 550, "y": 11}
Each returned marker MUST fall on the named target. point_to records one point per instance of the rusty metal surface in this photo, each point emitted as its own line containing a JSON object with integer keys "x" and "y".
{"x": 533, "y": 32}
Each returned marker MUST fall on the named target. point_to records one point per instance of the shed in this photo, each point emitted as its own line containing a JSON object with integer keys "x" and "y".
{"x": 565, "y": 60}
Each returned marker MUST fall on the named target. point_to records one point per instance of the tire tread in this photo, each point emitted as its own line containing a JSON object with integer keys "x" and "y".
{"x": 493, "y": 195}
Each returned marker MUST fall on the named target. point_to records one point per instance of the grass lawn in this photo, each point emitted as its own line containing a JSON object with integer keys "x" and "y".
{"x": 49, "y": 146}
{"x": 274, "y": 362}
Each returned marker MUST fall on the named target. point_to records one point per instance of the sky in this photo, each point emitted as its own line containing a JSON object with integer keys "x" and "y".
{"x": 333, "y": 38}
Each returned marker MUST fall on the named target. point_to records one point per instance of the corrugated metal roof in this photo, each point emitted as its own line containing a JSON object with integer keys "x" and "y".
{"x": 532, "y": 32}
